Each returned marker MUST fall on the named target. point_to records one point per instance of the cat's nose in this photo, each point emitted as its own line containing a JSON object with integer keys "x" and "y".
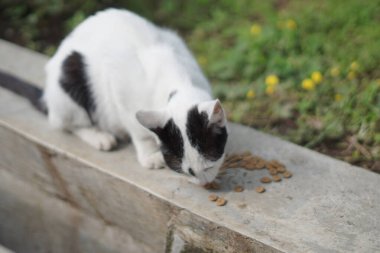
{"x": 191, "y": 172}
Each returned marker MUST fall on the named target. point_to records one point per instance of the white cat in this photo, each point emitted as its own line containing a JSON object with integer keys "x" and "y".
{"x": 119, "y": 74}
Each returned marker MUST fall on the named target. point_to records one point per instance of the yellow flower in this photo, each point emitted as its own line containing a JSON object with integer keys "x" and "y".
{"x": 335, "y": 71}
{"x": 291, "y": 24}
{"x": 255, "y": 29}
{"x": 378, "y": 82}
{"x": 354, "y": 65}
{"x": 202, "y": 60}
{"x": 272, "y": 80}
{"x": 251, "y": 94}
{"x": 317, "y": 77}
{"x": 338, "y": 97}
{"x": 269, "y": 90}
{"x": 351, "y": 75}
{"x": 308, "y": 84}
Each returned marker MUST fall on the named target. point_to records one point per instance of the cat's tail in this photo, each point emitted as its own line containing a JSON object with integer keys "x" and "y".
{"x": 24, "y": 89}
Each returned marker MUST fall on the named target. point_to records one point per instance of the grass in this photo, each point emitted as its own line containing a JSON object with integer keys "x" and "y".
{"x": 307, "y": 71}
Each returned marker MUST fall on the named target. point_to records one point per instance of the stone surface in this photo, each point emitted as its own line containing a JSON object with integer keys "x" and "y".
{"x": 35, "y": 222}
{"x": 4, "y": 250}
{"x": 327, "y": 206}
{"x": 22, "y": 62}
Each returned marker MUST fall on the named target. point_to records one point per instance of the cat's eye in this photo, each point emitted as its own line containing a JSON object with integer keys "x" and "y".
{"x": 191, "y": 172}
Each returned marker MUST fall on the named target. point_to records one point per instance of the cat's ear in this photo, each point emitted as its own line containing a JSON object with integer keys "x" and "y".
{"x": 152, "y": 119}
{"x": 215, "y": 112}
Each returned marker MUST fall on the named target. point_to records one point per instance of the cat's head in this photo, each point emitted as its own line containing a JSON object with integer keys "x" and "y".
{"x": 192, "y": 138}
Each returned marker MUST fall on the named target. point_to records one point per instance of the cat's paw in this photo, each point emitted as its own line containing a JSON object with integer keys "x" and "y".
{"x": 153, "y": 161}
{"x": 104, "y": 141}
{"x": 99, "y": 140}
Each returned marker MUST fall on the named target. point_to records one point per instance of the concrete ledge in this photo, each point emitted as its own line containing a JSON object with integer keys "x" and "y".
{"x": 4, "y": 250}
{"x": 58, "y": 193}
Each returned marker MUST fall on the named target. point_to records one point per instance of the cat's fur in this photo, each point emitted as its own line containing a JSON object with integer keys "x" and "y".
{"x": 119, "y": 74}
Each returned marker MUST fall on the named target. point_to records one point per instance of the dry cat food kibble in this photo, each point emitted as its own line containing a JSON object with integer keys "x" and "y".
{"x": 273, "y": 172}
{"x": 212, "y": 186}
{"x": 265, "y": 180}
{"x": 287, "y": 174}
{"x": 248, "y": 161}
{"x": 221, "y": 202}
{"x": 260, "y": 189}
{"x": 212, "y": 197}
{"x": 239, "y": 188}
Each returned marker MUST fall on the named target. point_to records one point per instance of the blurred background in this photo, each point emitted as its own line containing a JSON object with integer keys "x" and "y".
{"x": 306, "y": 71}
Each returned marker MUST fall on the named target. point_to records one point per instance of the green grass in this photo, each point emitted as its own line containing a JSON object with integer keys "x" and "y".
{"x": 240, "y": 43}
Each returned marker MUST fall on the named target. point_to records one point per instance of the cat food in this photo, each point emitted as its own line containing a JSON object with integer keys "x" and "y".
{"x": 265, "y": 180}
{"x": 221, "y": 202}
{"x": 212, "y": 186}
{"x": 273, "y": 172}
{"x": 260, "y": 189}
{"x": 238, "y": 188}
{"x": 212, "y": 197}
{"x": 270, "y": 166}
{"x": 260, "y": 164}
{"x": 276, "y": 163}
{"x": 287, "y": 174}
{"x": 234, "y": 165}
{"x": 248, "y": 161}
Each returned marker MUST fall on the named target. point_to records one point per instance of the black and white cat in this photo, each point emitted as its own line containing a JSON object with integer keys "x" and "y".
{"x": 119, "y": 74}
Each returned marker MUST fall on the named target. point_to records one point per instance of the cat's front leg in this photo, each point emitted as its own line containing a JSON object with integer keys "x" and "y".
{"x": 98, "y": 139}
{"x": 148, "y": 153}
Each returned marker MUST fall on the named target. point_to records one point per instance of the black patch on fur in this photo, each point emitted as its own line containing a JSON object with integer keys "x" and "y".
{"x": 172, "y": 145}
{"x": 75, "y": 82}
{"x": 172, "y": 94}
{"x": 209, "y": 140}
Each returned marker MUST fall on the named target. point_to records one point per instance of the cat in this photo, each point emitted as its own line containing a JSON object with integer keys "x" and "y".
{"x": 118, "y": 74}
